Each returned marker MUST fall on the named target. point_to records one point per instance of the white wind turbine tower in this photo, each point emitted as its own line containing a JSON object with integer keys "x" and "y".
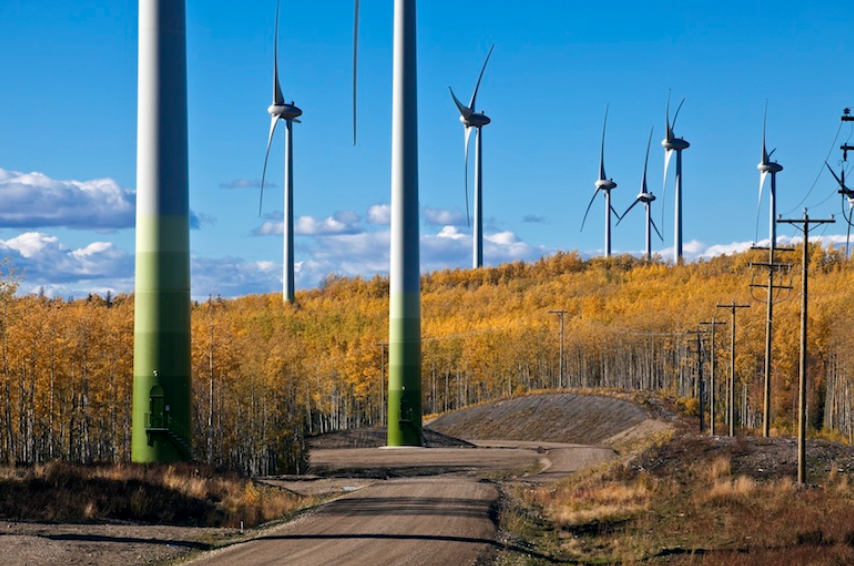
{"x": 605, "y": 185}
{"x": 671, "y": 143}
{"x": 766, "y": 167}
{"x": 404, "y": 370}
{"x": 281, "y": 110}
{"x": 646, "y": 198}
{"x": 472, "y": 119}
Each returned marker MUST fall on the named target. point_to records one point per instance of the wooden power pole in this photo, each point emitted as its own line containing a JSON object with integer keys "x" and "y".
{"x": 802, "y": 366}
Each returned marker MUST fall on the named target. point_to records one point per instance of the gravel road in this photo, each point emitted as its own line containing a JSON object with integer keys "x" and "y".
{"x": 396, "y": 507}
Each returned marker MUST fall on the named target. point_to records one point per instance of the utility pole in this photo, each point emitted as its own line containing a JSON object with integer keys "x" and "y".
{"x": 383, "y": 346}
{"x": 700, "y": 388}
{"x": 713, "y": 323}
{"x": 802, "y": 366}
{"x": 772, "y": 267}
{"x": 731, "y": 392}
{"x": 560, "y": 314}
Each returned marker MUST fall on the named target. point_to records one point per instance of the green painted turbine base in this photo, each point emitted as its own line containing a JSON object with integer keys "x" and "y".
{"x": 404, "y": 370}
{"x": 404, "y": 418}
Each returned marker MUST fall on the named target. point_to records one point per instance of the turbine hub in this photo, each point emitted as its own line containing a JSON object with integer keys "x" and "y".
{"x": 606, "y": 184}
{"x": 769, "y": 168}
{"x": 284, "y": 111}
{"x": 646, "y": 198}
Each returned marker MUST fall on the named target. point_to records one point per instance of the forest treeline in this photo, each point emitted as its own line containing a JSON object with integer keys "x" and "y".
{"x": 266, "y": 375}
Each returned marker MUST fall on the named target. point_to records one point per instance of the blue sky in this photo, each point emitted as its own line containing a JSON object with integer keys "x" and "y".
{"x": 68, "y": 129}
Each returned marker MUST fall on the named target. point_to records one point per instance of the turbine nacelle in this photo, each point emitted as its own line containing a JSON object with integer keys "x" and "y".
{"x": 605, "y": 185}
{"x": 674, "y": 144}
{"x": 284, "y": 111}
{"x": 645, "y": 197}
{"x": 772, "y": 168}
{"x": 475, "y": 120}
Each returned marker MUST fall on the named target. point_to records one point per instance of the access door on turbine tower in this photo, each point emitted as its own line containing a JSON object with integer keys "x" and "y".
{"x": 157, "y": 408}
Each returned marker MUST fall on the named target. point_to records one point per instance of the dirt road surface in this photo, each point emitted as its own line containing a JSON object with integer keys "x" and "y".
{"x": 394, "y": 507}
{"x": 423, "y": 521}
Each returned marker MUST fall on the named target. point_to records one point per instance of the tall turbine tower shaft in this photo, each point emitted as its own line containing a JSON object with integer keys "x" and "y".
{"x": 404, "y": 380}
{"x": 161, "y": 384}
{"x": 477, "y": 243}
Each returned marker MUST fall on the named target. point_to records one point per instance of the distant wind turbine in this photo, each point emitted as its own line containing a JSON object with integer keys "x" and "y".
{"x": 671, "y": 143}
{"x": 646, "y": 198}
{"x": 281, "y": 110}
{"x": 404, "y": 371}
{"x": 766, "y": 167}
{"x": 472, "y": 119}
{"x": 846, "y": 193}
{"x": 605, "y": 185}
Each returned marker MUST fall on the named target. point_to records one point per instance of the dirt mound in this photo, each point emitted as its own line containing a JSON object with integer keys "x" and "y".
{"x": 564, "y": 417}
{"x": 376, "y": 437}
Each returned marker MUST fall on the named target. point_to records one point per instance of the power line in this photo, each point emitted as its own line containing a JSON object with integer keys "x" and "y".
{"x": 820, "y": 170}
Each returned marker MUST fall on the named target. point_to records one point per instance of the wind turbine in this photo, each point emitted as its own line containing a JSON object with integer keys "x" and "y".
{"x": 603, "y": 184}
{"x": 671, "y": 143}
{"x": 404, "y": 371}
{"x": 472, "y": 119}
{"x": 281, "y": 110}
{"x": 766, "y": 167}
{"x": 846, "y": 193}
{"x": 161, "y": 344}
{"x": 646, "y": 198}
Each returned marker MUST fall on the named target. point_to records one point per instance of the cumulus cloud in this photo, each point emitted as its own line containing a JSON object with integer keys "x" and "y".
{"x": 379, "y": 214}
{"x": 31, "y": 200}
{"x": 443, "y": 217}
{"x": 45, "y": 261}
{"x": 342, "y": 222}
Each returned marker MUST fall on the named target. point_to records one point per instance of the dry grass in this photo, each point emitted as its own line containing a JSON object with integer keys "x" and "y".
{"x": 180, "y": 494}
{"x": 700, "y": 501}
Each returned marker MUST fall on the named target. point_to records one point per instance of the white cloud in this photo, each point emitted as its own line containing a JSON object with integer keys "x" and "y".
{"x": 443, "y": 217}
{"x": 45, "y": 261}
{"x": 30, "y": 200}
{"x": 342, "y": 222}
{"x": 379, "y": 214}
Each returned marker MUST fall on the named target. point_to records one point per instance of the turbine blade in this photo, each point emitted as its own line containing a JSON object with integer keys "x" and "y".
{"x": 646, "y": 161}
{"x": 465, "y": 112}
{"x": 617, "y": 214}
{"x": 602, "y": 176}
{"x": 765, "y": 154}
{"x": 668, "y": 132}
{"x": 477, "y": 86}
{"x": 596, "y": 192}
{"x": 651, "y": 221}
{"x": 675, "y": 116}
{"x": 466, "y": 176}
{"x": 834, "y": 175}
{"x": 772, "y": 153}
{"x": 266, "y": 156}
{"x": 355, "y": 63}
{"x": 278, "y": 98}
{"x": 631, "y": 206}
